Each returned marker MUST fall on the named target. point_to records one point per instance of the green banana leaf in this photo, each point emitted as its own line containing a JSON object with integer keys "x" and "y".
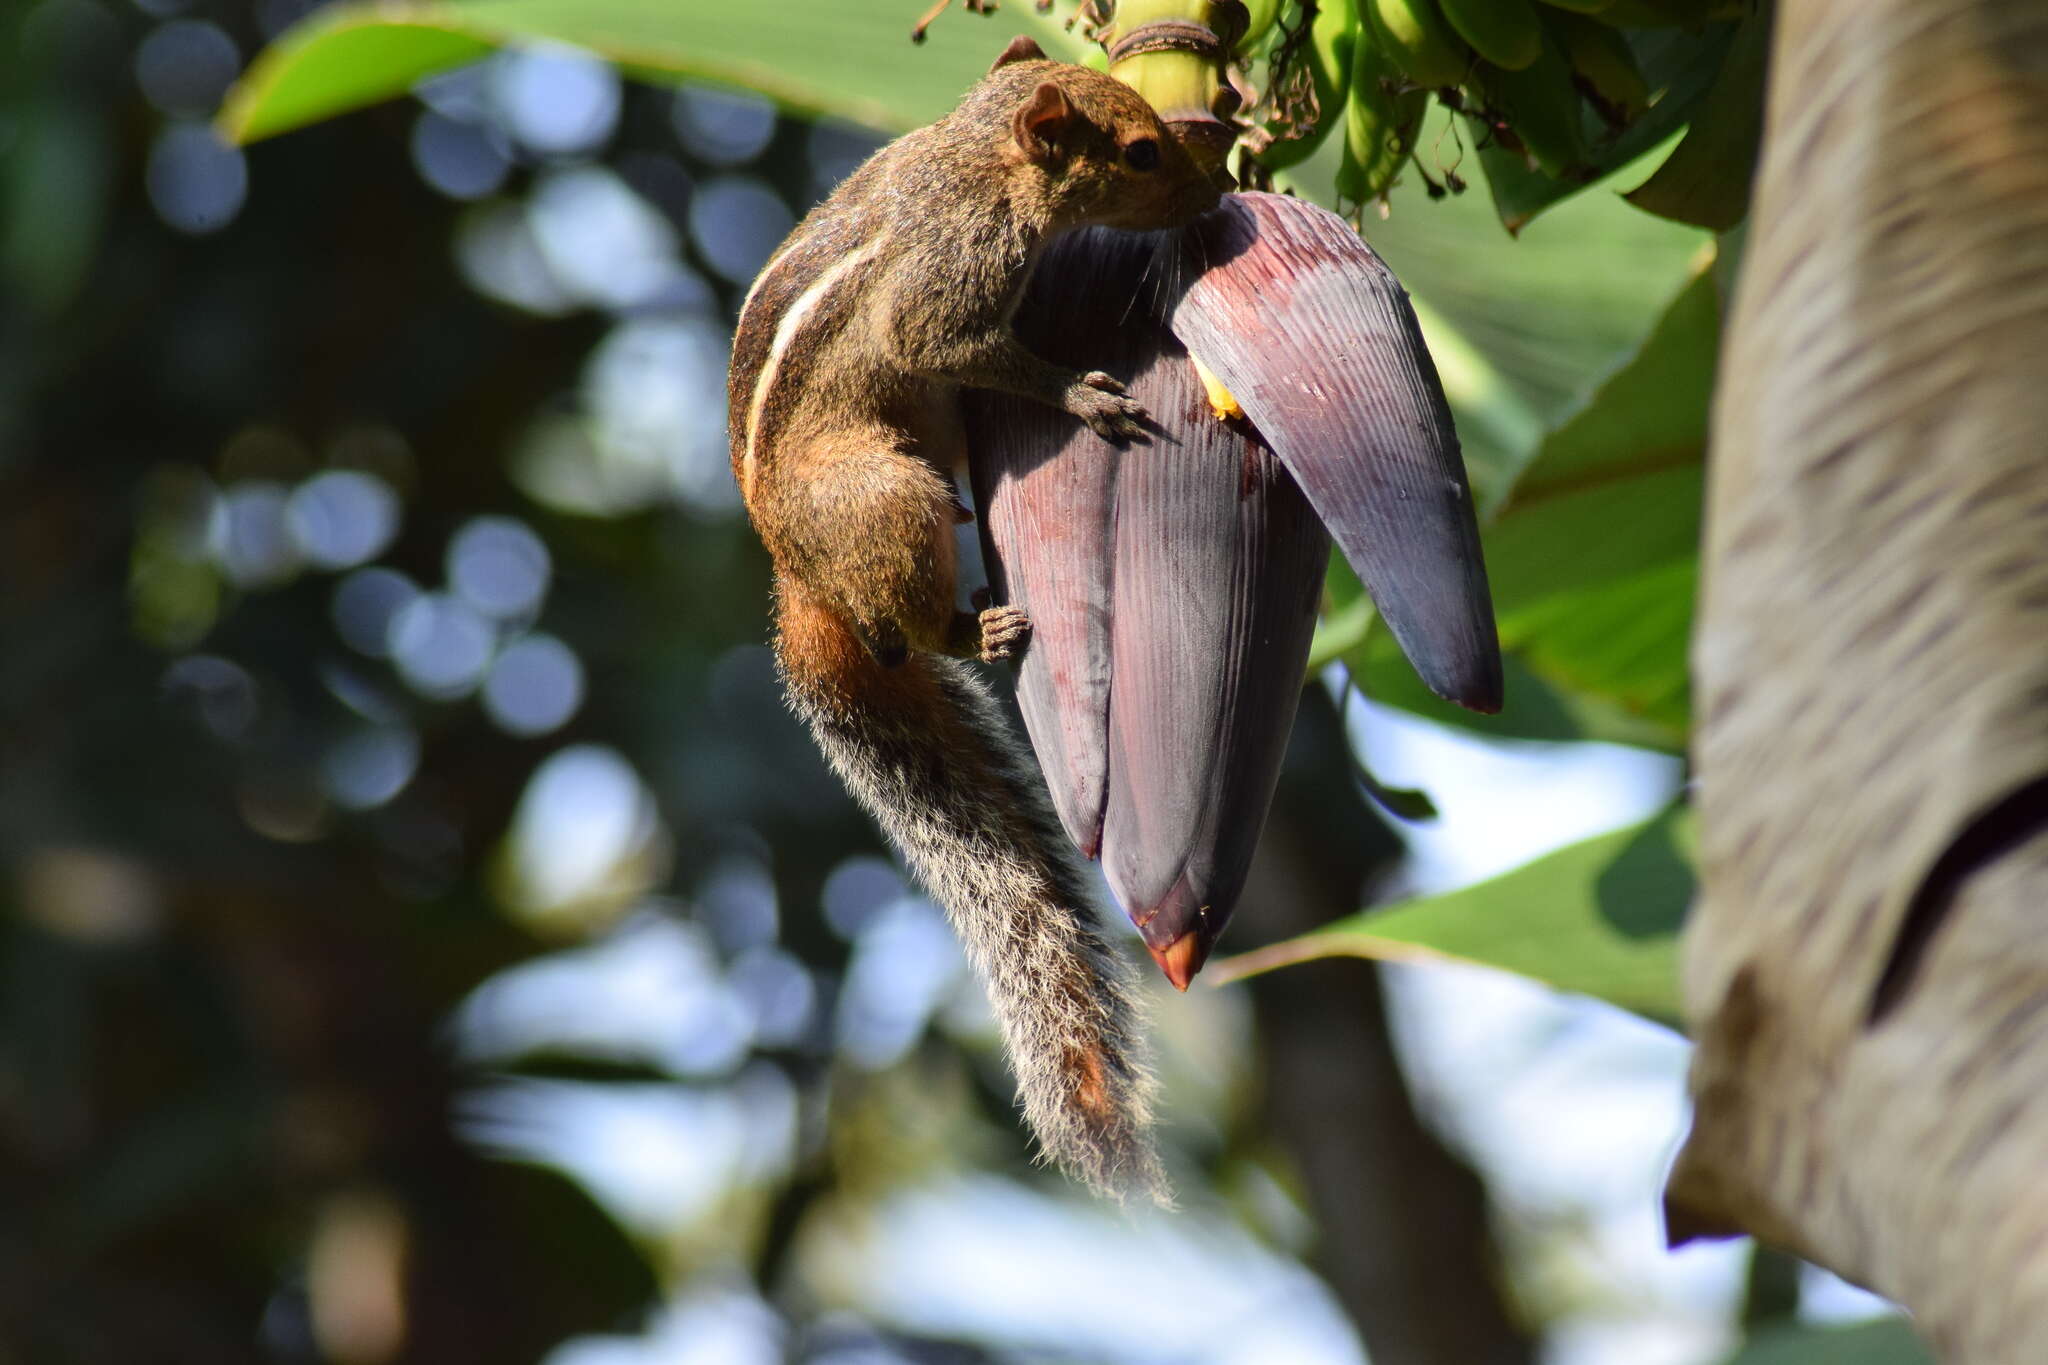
{"x": 1599, "y": 917}
{"x": 1684, "y": 66}
{"x": 1598, "y": 545}
{"x": 851, "y": 58}
{"x": 1705, "y": 180}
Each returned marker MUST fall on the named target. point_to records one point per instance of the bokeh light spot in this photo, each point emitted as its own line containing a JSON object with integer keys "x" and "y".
{"x": 366, "y": 603}
{"x": 342, "y": 518}
{"x": 649, "y": 991}
{"x": 465, "y": 94}
{"x": 499, "y": 257}
{"x": 354, "y": 687}
{"x": 723, "y": 126}
{"x": 556, "y": 100}
{"x": 606, "y": 244}
{"x": 97, "y": 896}
{"x": 441, "y": 645}
{"x": 558, "y": 463}
{"x": 656, "y": 1156}
{"x": 662, "y": 181}
{"x": 534, "y": 687}
{"x": 656, "y": 389}
{"x": 737, "y": 901}
{"x": 185, "y": 66}
{"x": 461, "y": 160}
{"x": 709, "y": 1327}
{"x": 858, "y": 890}
{"x": 282, "y": 804}
{"x": 585, "y": 841}
{"x": 197, "y": 182}
{"x": 904, "y": 962}
{"x": 499, "y": 566}
{"x": 736, "y": 222}
{"x": 220, "y": 691}
{"x": 777, "y": 991}
{"x": 250, "y": 540}
{"x": 369, "y": 767}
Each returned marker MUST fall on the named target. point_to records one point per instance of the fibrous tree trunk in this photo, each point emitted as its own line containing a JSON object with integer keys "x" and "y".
{"x": 1866, "y": 970}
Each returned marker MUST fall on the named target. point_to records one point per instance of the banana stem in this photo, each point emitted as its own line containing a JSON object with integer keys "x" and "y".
{"x": 1174, "y": 52}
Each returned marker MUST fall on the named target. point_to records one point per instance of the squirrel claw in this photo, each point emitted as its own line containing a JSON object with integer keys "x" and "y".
{"x": 1004, "y": 631}
{"x": 1119, "y": 425}
{"x": 1099, "y": 401}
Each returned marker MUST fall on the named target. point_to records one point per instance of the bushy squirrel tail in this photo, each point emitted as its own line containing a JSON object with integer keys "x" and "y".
{"x": 926, "y": 750}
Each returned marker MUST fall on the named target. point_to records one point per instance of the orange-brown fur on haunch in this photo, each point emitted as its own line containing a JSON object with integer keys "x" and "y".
{"x": 888, "y": 298}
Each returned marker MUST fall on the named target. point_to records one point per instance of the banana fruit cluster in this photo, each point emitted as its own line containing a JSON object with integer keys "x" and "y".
{"x": 1550, "y": 80}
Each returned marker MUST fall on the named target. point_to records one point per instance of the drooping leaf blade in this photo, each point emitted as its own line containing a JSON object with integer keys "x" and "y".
{"x": 1705, "y": 180}
{"x": 338, "y": 61}
{"x": 1684, "y": 71}
{"x": 851, "y": 58}
{"x": 1599, "y": 917}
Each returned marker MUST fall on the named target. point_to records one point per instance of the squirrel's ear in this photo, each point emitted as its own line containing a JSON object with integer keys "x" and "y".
{"x": 1021, "y": 49}
{"x": 1041, "y": 120}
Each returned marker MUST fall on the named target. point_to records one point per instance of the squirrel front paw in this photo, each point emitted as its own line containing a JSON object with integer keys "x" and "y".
{"x": 1098, "y": 399}
{"x": 1003, "y": 633}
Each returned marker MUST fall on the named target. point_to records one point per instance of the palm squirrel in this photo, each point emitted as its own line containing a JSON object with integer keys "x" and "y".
{"x": 885, "y": 301}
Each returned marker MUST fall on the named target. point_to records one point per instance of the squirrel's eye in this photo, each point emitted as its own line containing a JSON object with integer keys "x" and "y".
{"x": 1143, "y": 155}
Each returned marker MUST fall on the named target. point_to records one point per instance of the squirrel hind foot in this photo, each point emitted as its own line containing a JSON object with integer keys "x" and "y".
{"x": 1099, "y": 400}
{"x": 1003, "y": 633}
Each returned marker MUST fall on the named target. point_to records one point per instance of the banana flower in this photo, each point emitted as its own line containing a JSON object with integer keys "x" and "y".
{"x": 1173, "y": 583}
